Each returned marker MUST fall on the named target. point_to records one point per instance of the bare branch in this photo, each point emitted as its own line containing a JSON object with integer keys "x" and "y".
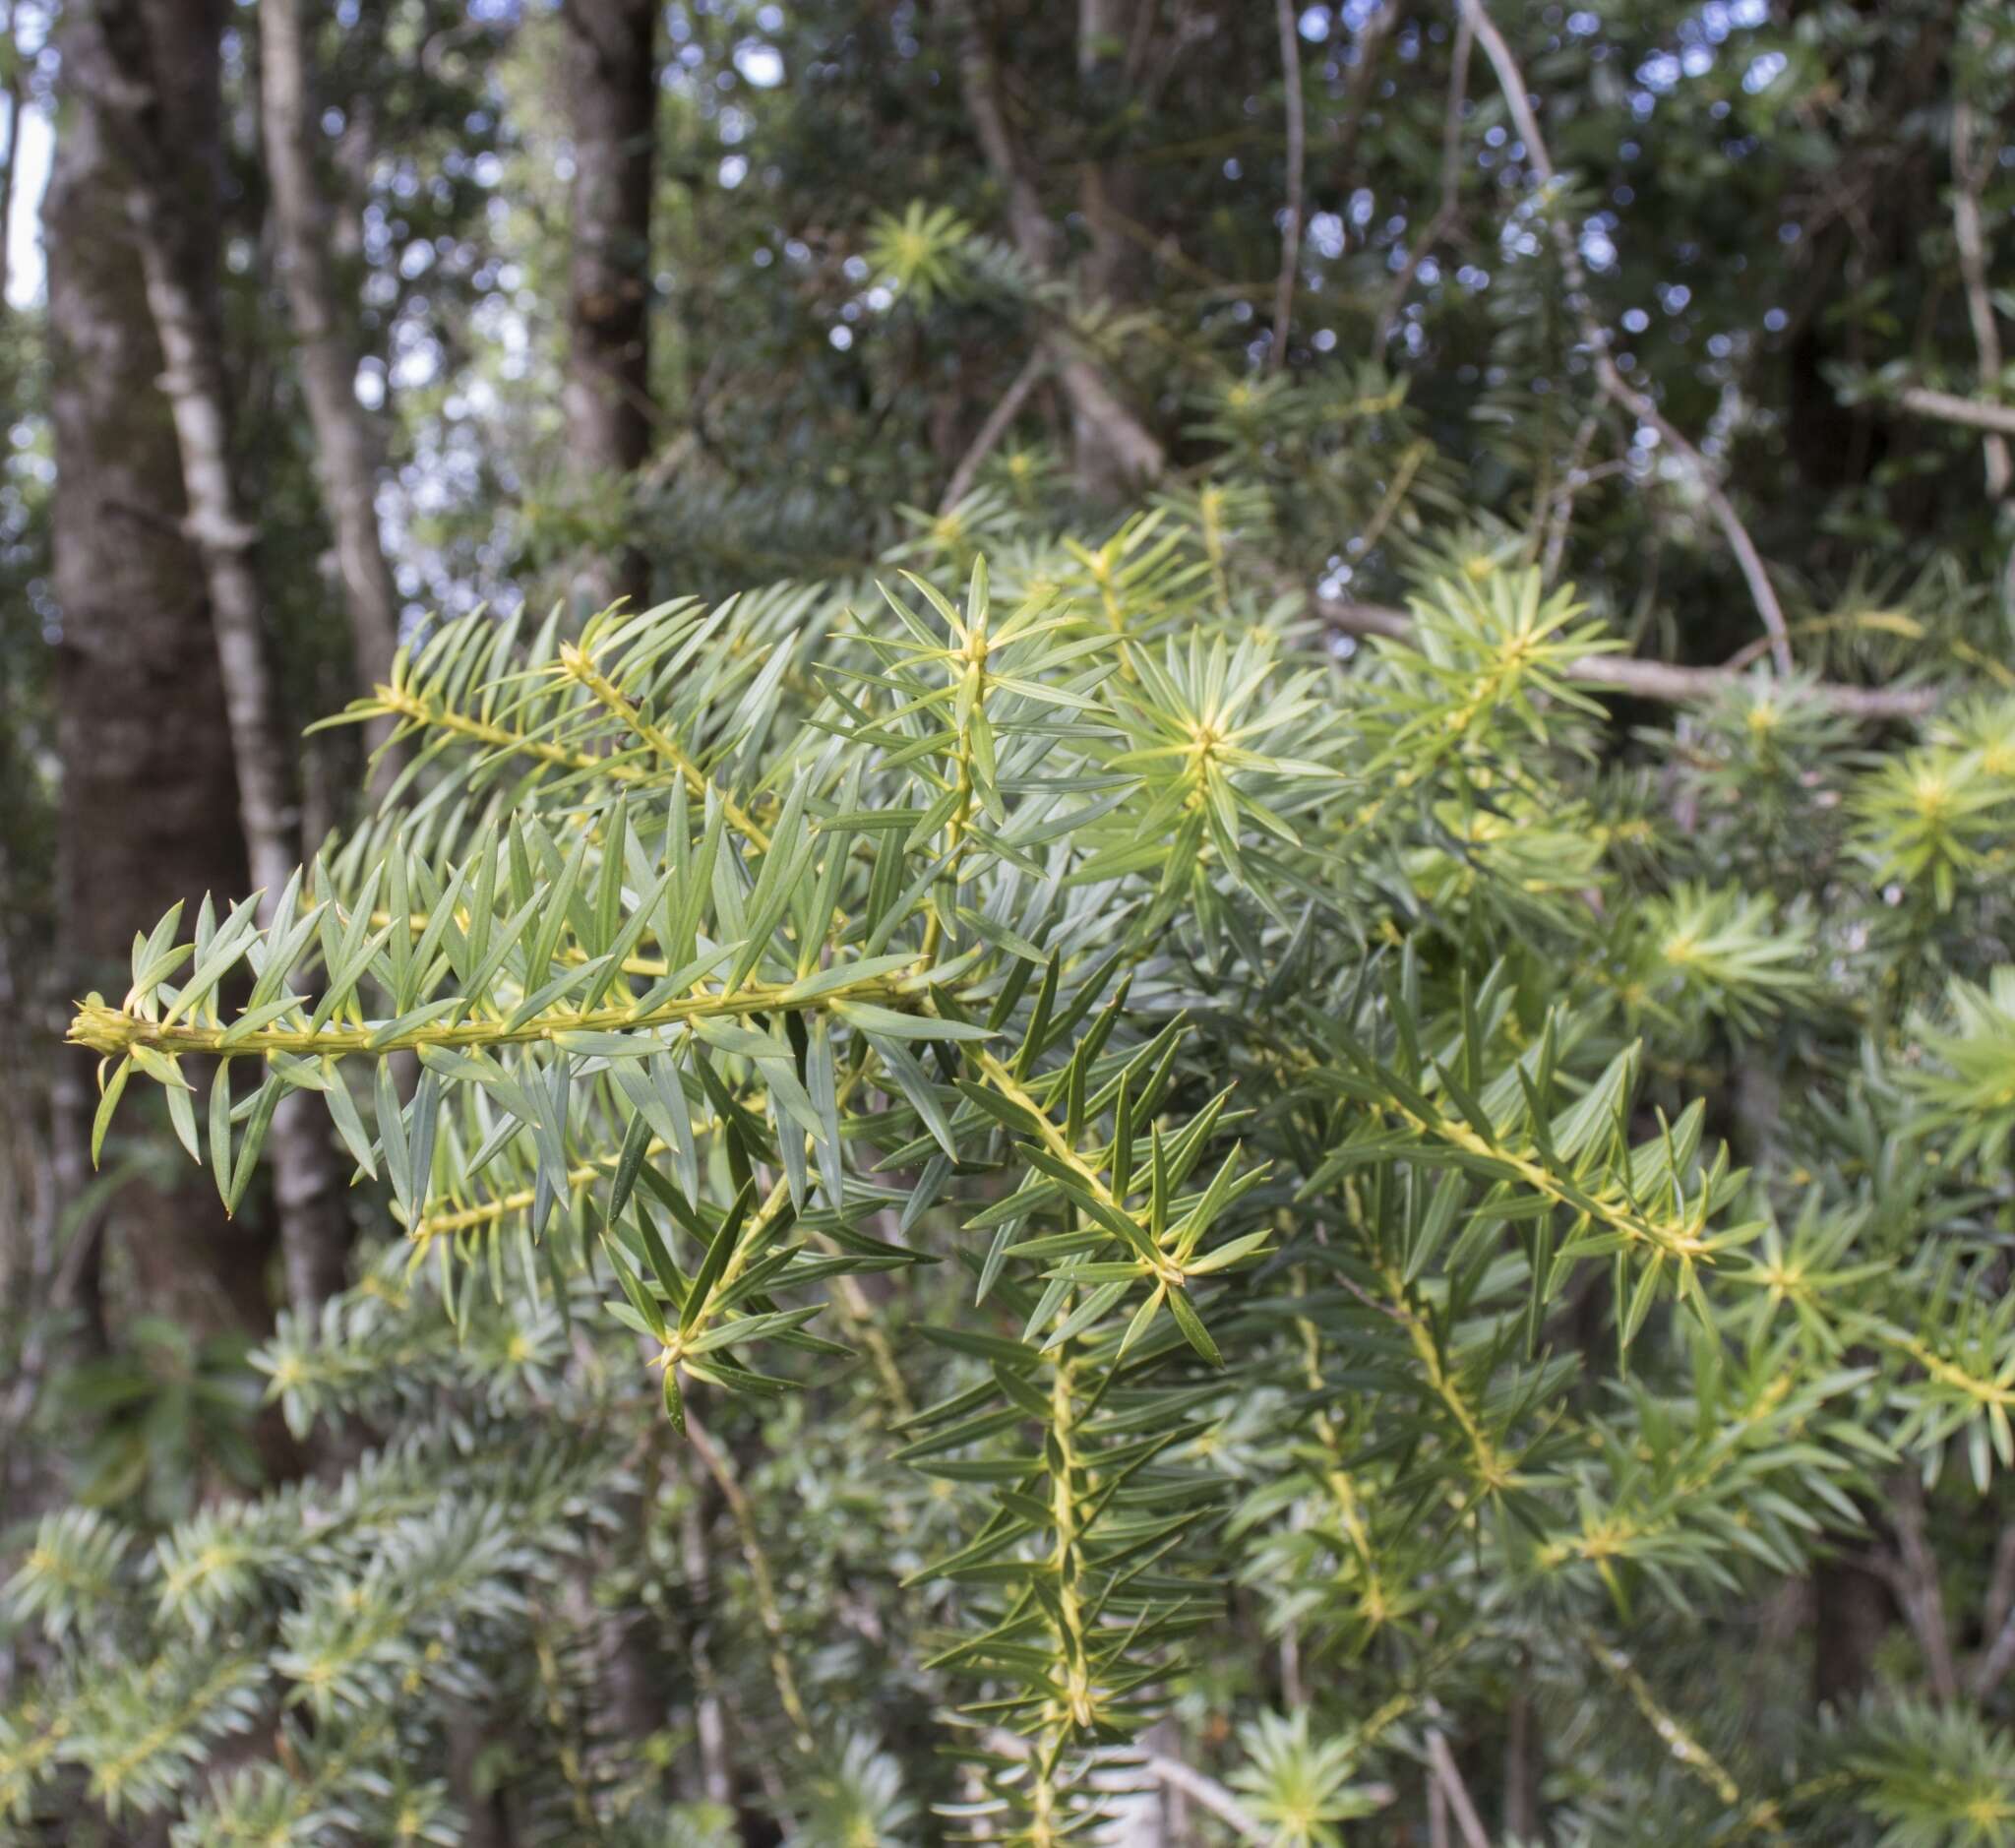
{"x": 1511, "y": 80}
{"x": 1457, "y": 1790}
{"x": 1968, "y": 178}
{"x": 1297, "y": 155}
{"x": 1208, "y": 1793}
{"x": 994, "y": 429}
{"x": 2000, "y": 1603}
{"x": 1913, "y": 1574}
{"x": 347, "y": 450}
{"x": 1661, "y": 681}
{"x": 1975, "y": 413}
{"x": 1095, "y": 406}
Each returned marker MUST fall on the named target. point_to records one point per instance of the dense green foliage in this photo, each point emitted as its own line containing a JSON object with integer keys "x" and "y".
{"x": 1271, "y": 1088}
{"x": 1035, "y": 1156}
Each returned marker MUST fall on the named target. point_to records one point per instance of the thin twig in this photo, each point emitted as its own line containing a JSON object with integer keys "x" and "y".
{"x": 1560, "y": 514}
{"x": 1297, "y": 158}
{"x": 1208, "y": 1794}
{"x": 1511, "y": 80}
{"x": 1450, "y": 204}
{"x": 997, "y": 425}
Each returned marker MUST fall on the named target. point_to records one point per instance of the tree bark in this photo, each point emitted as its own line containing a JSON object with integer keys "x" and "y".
{"x": 153, "y": 66}
{"x": 610, "y": 81}
{"x": 611, "y": 89}
{"x": 149, "y": 790}
{"x": 10, "y": 148}
{"x": 348, "y": 450}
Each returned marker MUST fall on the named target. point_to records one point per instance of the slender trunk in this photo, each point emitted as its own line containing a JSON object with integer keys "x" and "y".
{"x": 348, "y": 450}
{"x": 143, "y": 55}
{"x": 611, "y": 86}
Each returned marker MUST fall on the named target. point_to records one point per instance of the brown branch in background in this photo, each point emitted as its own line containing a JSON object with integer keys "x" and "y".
{"x": 1644, "y": 680}
{"x": 1438, "y": 1814}
{"x": 1975, "y": 413}
{"x": 1970, "y": 170}
{"x": 1131, "y": 448}
{"x": 1559, "y": 514}
{"x": 1914, "y": 1577}
{"x": 1998, "y": 1620}
{"x": 1450, "y": 203}
{"x": 1449, "y": 1779}
{"x": 998, "y": 420}
{"x": 1511, "y": 80}
{"x": 347, "y": 449}
{"x": 1297, "y": 161}
{"x": 1207, "y": 1793}
{"x": 1035, "y": 236}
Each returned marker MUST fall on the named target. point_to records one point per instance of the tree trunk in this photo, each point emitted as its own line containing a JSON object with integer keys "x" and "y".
{"x": 11, "y": 147}
{"x": 347, "y": 452}
{"x": 611, "y": 92}
{"x": 154, "y": 66}
{"x": 148, "y": 791}
{"x": 611, "y": 87}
